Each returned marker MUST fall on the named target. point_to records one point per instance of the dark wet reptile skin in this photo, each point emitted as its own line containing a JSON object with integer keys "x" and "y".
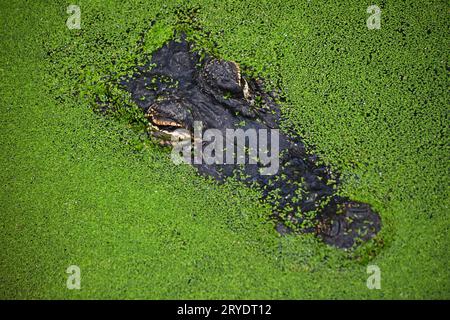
{"x": 179, "y": 87}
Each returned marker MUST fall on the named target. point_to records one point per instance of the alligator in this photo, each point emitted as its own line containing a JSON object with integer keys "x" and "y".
{"x": 180, "y": 87}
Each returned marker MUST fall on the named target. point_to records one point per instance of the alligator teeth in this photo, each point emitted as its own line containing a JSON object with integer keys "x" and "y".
{"x": 165, "y": 122}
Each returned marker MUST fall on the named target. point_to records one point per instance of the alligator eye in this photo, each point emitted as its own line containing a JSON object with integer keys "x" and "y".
{"x": 170, "y": 113}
